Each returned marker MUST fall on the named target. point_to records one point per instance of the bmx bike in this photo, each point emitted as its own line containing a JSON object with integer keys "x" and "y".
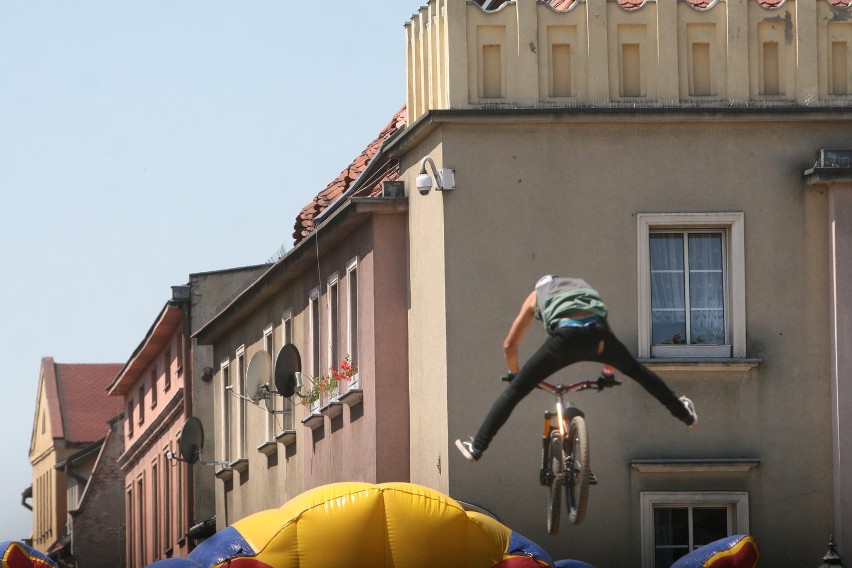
{"x": 565, "y": 451}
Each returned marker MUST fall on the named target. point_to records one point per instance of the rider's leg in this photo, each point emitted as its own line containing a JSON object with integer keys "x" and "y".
{"x": 558, "y": 351}
{"x": 613, "y": 352}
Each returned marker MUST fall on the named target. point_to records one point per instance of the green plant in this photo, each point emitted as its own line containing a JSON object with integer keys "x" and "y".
{"x": 329, "y": 383}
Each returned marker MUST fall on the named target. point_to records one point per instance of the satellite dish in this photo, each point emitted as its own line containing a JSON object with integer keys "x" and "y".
{"x": 288, "y": 368}
{"x": 191, "y": 440}
{"x": 258, "y": 375}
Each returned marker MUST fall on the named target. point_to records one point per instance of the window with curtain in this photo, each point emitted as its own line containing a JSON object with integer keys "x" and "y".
{"x": 691, "y": 285}
{"x": 687, "y": 288}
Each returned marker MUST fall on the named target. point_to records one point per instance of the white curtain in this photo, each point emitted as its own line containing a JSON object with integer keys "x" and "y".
{"x": 670, "y": 302}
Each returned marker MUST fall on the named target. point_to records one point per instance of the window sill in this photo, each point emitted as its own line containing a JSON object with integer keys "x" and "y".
{"x": 715, "y": 465}
{"x": 313, "y": 421}
{"x": 701, "y": 364}
{"x": 352, "y": 397}
{"x": 286, "y": 438}
{"x": 240, "y": 465}
{"x": 268, "y": 448}
{"x": 225, "y": 474}
{"x": 333, "y": 409}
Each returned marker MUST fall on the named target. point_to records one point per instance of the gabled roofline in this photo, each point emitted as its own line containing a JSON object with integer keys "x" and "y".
{"x": 341, "y": 222}
{"x": 160, "y": 332}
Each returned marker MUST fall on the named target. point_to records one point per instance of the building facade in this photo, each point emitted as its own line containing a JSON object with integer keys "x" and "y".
{"x": 339, "y": 297}
{"x": 160, "y": 387}
{"x": 71, "y": 433}
{"x": 656, "y": 149}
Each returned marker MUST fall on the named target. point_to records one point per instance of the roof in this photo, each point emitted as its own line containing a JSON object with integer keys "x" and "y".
{"x": 388, "y": 170}
{"x": 491, "y": 5}
{"x": 164, "y": 327}
{"x": 77, "y": 399}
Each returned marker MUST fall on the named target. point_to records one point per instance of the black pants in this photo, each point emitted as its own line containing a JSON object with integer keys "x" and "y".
{"x": 563, "y": 347}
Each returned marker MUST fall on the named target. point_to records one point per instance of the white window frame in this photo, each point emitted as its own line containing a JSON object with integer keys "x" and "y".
{"x": 735, "y": 501}
{"x": 287, "y": 422}
{"x": 333, "y": 326}
{"x": 242, "y": 421}
{"x": 353, "y": 324}
{"x": 270, "y": 402}
{"x": 314, "y": 338}
{"x": 225, "y": 374}
{"x": 732, "y": 224}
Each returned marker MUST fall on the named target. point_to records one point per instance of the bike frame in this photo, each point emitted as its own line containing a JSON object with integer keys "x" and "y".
{"x": 559, "y": 391}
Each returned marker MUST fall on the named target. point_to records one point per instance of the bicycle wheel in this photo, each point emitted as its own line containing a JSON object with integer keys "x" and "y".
{"x": 577, "y": 480}
{"x": 557, "y": 479}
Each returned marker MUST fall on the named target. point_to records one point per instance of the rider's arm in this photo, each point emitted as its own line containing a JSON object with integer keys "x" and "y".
{"x": 517, "y": 331}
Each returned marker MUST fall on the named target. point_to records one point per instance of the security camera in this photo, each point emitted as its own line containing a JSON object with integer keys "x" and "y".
{"x": 424, "y": 183}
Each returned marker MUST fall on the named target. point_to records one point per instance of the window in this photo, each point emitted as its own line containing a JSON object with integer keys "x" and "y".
{"x": 241, "y": 404}
{"x": 180, "y": 498}
{"x": 313, "y": 308}
{"x": 180, "y": 348}
{"x": 352, "y": 338}
{"x": 167, "y": 502}
{"x": 140, "y": 522}
{"x": 155, "y": 508}
{"x": 287, "y": 338}
{"x": 141, "y": 404}
{"x": 271, "y": 401}
{"x": 154, "y": 387}
{"x": 691, "y": 285}
{"x": 167, "y": 359}
{"x": 332, "y": 297}
{"x": 674, "y": 524}
{"x": 129, "y": 420}
{"x": 225, "y": 436}
{"x": 129, "y": 519}
{"x": 314, "y": 313}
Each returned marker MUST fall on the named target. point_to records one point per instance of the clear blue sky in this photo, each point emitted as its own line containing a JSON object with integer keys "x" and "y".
{"x": 141, "y": 142}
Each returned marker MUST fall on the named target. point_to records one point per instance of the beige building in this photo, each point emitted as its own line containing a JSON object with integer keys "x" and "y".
{"x": 656, "y": 149}
{"x": 72, "y": 442}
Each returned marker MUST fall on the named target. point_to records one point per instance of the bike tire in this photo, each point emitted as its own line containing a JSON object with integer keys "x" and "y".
{"x": 577, "y": 479}
{"x": 556, "y": 464}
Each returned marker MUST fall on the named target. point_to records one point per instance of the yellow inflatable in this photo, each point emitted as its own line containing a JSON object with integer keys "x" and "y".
{"x": 361, "y": 524}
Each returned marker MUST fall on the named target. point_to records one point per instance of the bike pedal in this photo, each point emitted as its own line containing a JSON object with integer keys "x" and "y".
{"x": 593, "y": 479}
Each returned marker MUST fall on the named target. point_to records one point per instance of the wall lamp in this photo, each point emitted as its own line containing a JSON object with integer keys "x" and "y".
{"x": 445, "y": 180}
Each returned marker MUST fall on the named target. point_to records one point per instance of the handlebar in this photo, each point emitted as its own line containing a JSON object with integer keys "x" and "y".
{"x": 598, "y": 384}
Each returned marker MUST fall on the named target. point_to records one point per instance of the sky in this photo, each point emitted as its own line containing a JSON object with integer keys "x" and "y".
{"x": 144, "y": 141}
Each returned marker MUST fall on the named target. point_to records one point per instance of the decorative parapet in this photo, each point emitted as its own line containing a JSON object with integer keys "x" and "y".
{"x": 601, "y": 53}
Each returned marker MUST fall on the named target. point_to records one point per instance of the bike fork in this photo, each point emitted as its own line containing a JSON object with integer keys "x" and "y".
{"x": 544, "y": 474}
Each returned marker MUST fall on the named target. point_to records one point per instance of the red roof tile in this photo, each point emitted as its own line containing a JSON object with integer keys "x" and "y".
{"x": 771, "y": 3}
{"x": 562, "y": 4}
{"x": 631, "y": 4}
{"x": 841, "y": 3}
{"x": 702, "y": 4}
{"x": 305, "y": 220}
{"x": 85, "y": 405}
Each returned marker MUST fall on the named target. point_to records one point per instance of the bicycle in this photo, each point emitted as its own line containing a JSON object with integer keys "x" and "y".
{"x": 565, "y": 452}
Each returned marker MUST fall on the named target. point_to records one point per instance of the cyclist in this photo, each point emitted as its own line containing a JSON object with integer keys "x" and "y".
{"x": 575, "y": 319}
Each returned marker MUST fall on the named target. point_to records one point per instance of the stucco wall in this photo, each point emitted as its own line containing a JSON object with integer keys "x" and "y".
{"x": 368, "y": 441}
{"x": 548, "y": 196}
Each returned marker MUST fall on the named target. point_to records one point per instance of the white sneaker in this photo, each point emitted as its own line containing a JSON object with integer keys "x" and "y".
{"x": 690, "y": 407}
{"x": 470, "y": 453}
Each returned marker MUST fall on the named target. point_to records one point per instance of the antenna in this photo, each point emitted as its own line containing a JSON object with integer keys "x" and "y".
{"x": 258, "y": 376}
{"x": 288, "y": 371}
{"x": 191, "y": 443}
